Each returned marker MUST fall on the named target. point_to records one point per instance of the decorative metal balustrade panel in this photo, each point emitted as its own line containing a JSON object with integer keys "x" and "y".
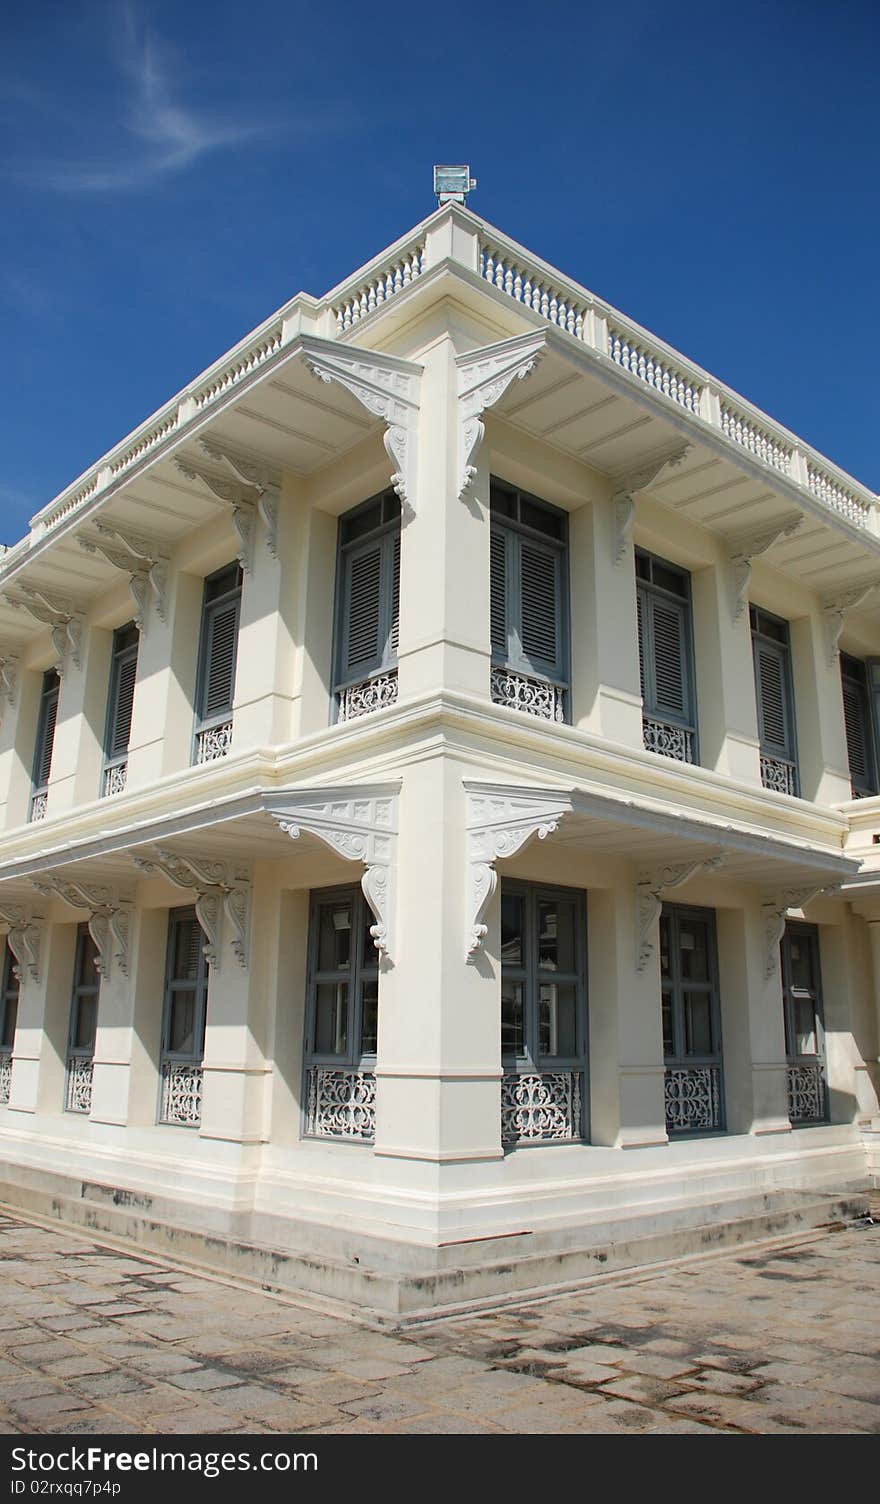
{"x": 779, "y": 775}
{"x": 39, "y": 806}
{"x": 668, "y": 740}
{"x": 181, "y": 1094}
{"x": 79, "y": 1083}
{"x": 341, "y": 1104}
{"x": 535, "y": 696}
{"x": 115, "y": 779}
{"x": 806, "y": 1093}
{"x": 693, "y": 1099}
{"x": 213, "y": 743}
{"x": 542, "y": 1109}
{"x": 5, "y": 1076}
{"x": 373, "y": 694}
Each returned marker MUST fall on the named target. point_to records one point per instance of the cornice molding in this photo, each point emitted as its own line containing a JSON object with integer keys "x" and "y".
{"x": 24, "y": 935}
{"x": 625, "y": 486}
{"x": 388, "y": 389}
{"x": 748, "y": 547}
{"x": 483, "y": 377}
{"x": 222, "y": 894}
{"x": 649, "y": 903}
{"x": 500, "y": 821}
{"x": 834, "y": 608}
{"x": 109, "y": 916}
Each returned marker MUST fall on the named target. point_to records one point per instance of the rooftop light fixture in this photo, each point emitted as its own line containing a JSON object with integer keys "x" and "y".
{"x": 453, "y": 184}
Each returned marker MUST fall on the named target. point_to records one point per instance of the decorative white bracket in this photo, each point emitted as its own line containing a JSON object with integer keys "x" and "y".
{"x": 627, "y": 484}
{"x": 219, "y": 895}
{"x": 61, "y": 616}
{"x": 500, "y": 819}
{"x": 389, "y": 389}
{"x": 251, "y": 473}
{"x": 649, "y": 903}
{"x": 235, "y": 495}
{"x": 775, "y": 908}
{"x": 109, "y": 916}
{"x": 24, "y": 934}
{"x": 360, "y": 825}
{"x": 8, "y": 678}
{"x": 141, "y": 559}
{"x": 743, "y": 550}
{"x": 833, "y": 608}
{"x": 483, "y": 377}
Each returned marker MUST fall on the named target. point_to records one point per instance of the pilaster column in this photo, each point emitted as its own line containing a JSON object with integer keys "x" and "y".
{"x": 162, "y": 716}
{"x": 20, "y": 709}
{"x": 752, "y": 1020}
{"x": 606, "y": 694}
{"x": 728, "y": 717}
{"x": 78, "y": 748}
{"x": 823, "y": 763}
{"x": 40, "y": 1056}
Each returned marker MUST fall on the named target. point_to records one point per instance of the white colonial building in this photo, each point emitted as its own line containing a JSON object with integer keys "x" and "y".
{"x": 441, "y": 803}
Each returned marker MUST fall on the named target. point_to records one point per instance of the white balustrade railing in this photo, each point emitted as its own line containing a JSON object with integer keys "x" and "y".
{"x": 78, "y": 1096}
{"x": 241, "y": 365}
{"x": 381, "y": 285}
{"x": 181, "y": 1103}
{"x": 144, "y": 444}
{"x": 5, "y": 1076}
{"x": 837, "y": 496}
{"x": 373, "y": 694}
{"x": 755, "y": 437}
{"x": 654, "y": 368}
{"x": 535, "y": 291}
{"x": 693, "y": 1099}
{"x": 541, "y": 1108}
{"x": 341, "y": 1104}
{"x": 521, "y": 692}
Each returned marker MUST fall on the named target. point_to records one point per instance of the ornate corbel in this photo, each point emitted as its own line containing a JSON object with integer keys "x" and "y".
{"x": 774, "y": 909}
{"x": 389, "y": 389}
{"x": 220, "y": 895}
{"x": 649, "y": 903}
{"x": 748, "y": 547}
{"x": 499, "y": 822}
{"x": 251, "y": 473}
{"x": 627, "y": 484}
{"x": 361, "y": 826}
{"x": 236, "y": 496}
{"x": 137, "y": 557}
{"x": 833, "y": 608}
{"x": 61, "y": 616}
{"x": 483, "y": 377}
{"x": 24, "y": 935}
{"x": 8, "y": 678}
{"x": 109, "y": 916}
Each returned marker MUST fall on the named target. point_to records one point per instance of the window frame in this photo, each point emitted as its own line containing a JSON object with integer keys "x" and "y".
{"x": 515, "y": 532}
{"x": 10, "y": 991}
{"x": 388, "y": 535}
{"x": 354, "y": 1057}
{"x": 648, "y": 591}
{"x": 49, "y": 694}
{"x": 680, "y": 1059}
{"x": 203, "y": 722}
{"x": 782, "y": 650}
{"x": 860, "y": 684}
{"x": 800, "y": 929}
{"x": 119, "y": 656}
{"x": 79, "y": 991}
{"x": 200, "y": 986}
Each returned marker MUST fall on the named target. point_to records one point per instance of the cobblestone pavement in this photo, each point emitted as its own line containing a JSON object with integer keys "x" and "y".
{"x": 775, "y": 1339}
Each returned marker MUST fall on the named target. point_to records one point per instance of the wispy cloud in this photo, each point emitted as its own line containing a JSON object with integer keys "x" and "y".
{"x": 158, "y": 134}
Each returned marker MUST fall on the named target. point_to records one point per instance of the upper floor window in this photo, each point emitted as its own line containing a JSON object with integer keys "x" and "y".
{"x": 183, "y": 1020}
{"x": 860, "y": 682}
{"x": 218, "y": 650}
{"x": 367, "y": 607}
{"x": 666, "y": 657}
{"x": 8, "y": 1020}
{"x": 83, "y": 1023}
{"x": 543, "y": 1014}
{"x": 48, "y": 714}
{"x": 342, "y": 1018}
{"x": 771, "y": 650}
{"x": 120, "y": 703}
{"x": 529, "y": 603}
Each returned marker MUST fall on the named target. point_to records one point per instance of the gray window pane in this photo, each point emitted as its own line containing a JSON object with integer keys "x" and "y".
{"x": 556, "y": 941}
{"x": 693, "y": 943}
{"x": 181, "y": 1036}
{"x": 511, "y": 929}
{"x": 698, "y": 1025}
{"x": 331, "y": 1018}
{"x": 512, "y": 1042}
{"x": 370, "y": 1017}
{"x": 805, "y": 1026}
{"x": 557, "y": 1019}
{"x": 334, "y": 937}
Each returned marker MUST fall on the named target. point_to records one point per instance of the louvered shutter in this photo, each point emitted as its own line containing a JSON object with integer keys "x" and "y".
{"x": 395, "y": 594}
{"x": 668, "y": 631}
{"x": 362, "y": 648}
{"x": 872, "y": 669}
{"x": 46, "y": 738}
{"x": 641, "y": 613}
{"x": 122, "y": 705}
{"x": 220, "y": 653}
{"x": 770, "y": 684}
{"x": 856, "y": 729}
{"x": 498, "y": 592}
{"x": 539, "y": 599}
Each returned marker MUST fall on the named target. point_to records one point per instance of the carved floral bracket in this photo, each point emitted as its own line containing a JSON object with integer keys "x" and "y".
{"x": 241, "y": 499}
{"x": 109, "y": 916}
{"x": 748, "y": 547}
{"x": 24, "y": 936}
{"x": 63, "y": 617}
{"x": 627, "y": 484}
{"x": 649, "y": 903}
{"x": 775, "y": 908}
{"x": 264, "y": 482}
{"x": 483, "y": 377}
{"x": 221, "y": 895}
{"x": 138, "y": 557}
{"x": 500, "y": 820}
{"x": 833, "y": 608}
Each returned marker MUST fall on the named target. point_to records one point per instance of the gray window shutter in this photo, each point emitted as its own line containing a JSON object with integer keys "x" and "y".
{"x": 122, "y": 704}
{"x": 539, "y": 597}
{"x": 641, "y": 612}
{"x": 395, "y": 594}
{"x": 669, "y": 634}
{"x": 856, "y": 733}
{"x": 45, "y": 736}
{"x": 771, "y": 687}
{"x": 498, "y": 591}
{"x": 362, "y": 651}
{"x": 872, "y": 669}
{"x": 220, "y": 653}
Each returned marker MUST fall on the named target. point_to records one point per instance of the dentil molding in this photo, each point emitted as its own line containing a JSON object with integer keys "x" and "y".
{"x": 222, "y": 895}
{"x": 483, "y": 377}
{"x": 500, "y": 820}
{"x": 649, "y": 903}
{"x": 109, "y": 916}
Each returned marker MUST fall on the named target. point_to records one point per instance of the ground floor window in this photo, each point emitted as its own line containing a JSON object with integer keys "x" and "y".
{"x": 543, "y": 1014}
{"x": 8, "y": 1020}
{"x": 691, "y": 1020}
{"x": 804, "y": 1032}
{"x": 342, "y": 1018}
{"x": 83, "y": 1024}
{"x": 183, "y": 1021}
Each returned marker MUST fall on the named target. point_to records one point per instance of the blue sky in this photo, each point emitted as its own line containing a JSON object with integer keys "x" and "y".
{"x": 172, "y": 173}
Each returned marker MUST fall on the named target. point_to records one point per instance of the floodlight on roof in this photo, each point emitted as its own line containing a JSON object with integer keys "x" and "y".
{"x": 453, "y": 184}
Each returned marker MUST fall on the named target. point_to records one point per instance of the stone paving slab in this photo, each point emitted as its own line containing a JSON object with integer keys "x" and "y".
{"x": 773, "y": 1339}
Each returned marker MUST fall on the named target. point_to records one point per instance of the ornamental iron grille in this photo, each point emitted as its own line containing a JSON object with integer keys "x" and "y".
{"x": 367, "y": 608}
{"x": 860, "y": 685}
{"x": 120, "y": 704}
{"x": 543, "y": 1015}
{"x": 5, "y": 1076}
{"x": 771, "y": 652}
{"x": 8, "y": 1021}
{"x": 48, "y": 715}
{"x": 83, "y": 1023}
{"x": 804, "y": 1030}
{"x": 666, "y": 657}
{"x": 183, "y": 1021}
{"x": 342, "y": 1018}
{"x": 218, "y": 654}
{"x": 691, "y": 1020}
{"x": 528, "y": 604}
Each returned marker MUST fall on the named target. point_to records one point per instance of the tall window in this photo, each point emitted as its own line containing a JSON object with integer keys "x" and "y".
{"x": 529, "y": 603}
{"x": 691, "y": 1017}
{"x": 804, "y": 1032}
{"x": 367, "y": 607}
{"x": 183, "y": 1020}
{"x": 342, "y": 1018}
{"x": 8, "y": 1021}
{"x": 46, "y": 718}
{"x": 860, "y": 683}
{"x": 83, "y": 1023}
{"x": 771, "y": 650}
{"x": 120, "y": 702}
{"x": 543, "y": 1014}
{"x": 666, "y": 657}
{"x": 218, "y": 650}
